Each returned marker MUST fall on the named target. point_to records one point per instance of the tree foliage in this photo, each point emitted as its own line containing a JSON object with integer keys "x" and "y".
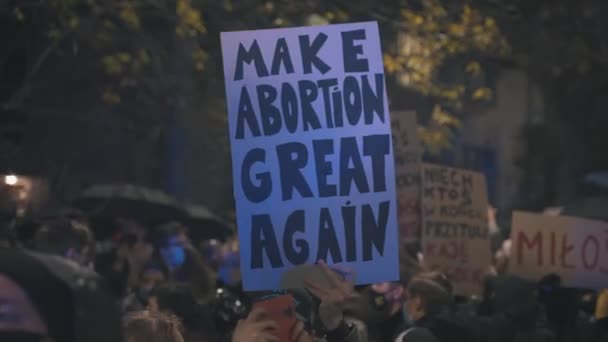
{"x": 128, "y": 48}
{"x": 130, "y": 42}
{"x": 562, "y": 46}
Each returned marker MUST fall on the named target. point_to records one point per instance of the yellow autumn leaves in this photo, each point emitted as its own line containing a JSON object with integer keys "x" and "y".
{"x": 437, "y": 135}
{"x": 190, "y": 22}
{"x": 122, "y": 62}
{"x": 430, "y": 36}
{"x": 130, "y": 16}
{"x": 125, "y": 65}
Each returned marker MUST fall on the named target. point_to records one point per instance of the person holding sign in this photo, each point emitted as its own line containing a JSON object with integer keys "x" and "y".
{"x": 313, "y": 164}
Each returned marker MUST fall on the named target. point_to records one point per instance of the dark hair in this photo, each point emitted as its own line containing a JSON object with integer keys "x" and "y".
{"x": 163, "y": 232}
{"x": 435, "y": 297}
{"x": 179, "y": 300}
{"x": 60, "y": 235}
{"x": 194, "y": 270}
{"x": 439, "y": 278}
{"x": 148, "y": 326}
{"x": 25, "y": 231}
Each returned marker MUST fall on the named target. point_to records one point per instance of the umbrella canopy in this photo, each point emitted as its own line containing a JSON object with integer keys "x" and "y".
{"x": 599, "y": 179}
{"x": 205, "y": 225}
{"x": 129, "y": 201}
{"x": 594, "y": 208}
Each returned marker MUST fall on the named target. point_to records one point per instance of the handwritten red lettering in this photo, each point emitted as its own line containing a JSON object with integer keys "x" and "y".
{"x": 595, "y": 252}
{"x": 523, "y": 241}
{"x": 449, "y": 250}
{"x": 430, "y": 249}
{"x": 411, "y": 207}
{"x": 566, "y": 249}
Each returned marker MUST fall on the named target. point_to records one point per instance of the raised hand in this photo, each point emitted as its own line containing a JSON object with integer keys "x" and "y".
{"x": 334, "y": 299}
{"x": 256, "y": 328}
{"x": 300, "y": 334}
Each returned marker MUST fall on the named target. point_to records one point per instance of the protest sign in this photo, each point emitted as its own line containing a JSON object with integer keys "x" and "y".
{"x": 576, "y": 249}
{"x": 455, "y": 238}
{"x": 407, "y": 171}
{"x": 312, "y": 156}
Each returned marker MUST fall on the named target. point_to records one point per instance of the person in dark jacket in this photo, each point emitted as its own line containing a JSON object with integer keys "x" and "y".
{"x": 511, "y": 313}
{"x": 428, "y": 304}
{"x": 181, "y": 261}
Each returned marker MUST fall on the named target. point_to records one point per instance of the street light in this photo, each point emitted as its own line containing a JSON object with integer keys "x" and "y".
{"x": 10, "y": 179}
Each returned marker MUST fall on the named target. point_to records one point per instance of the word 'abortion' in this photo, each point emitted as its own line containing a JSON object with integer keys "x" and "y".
{"x": 266, "y": 109}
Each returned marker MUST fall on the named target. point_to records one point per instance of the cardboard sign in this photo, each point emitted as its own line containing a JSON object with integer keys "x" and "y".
{"x": 281, "y": 310}
{"x": 455, "y": 233}
{"x": 407, "y": 171}
{"x": 312, "y": 156}
{"x": 297, "y": 277}
{"x": 576, "y": 249}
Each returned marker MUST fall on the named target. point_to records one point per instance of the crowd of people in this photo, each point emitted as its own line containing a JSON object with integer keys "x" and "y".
{"x": 73, "y": 279}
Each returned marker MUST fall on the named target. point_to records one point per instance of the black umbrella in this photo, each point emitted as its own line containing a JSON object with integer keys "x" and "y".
{"x": 203, "y": 224}
{"x": 129, "y": 201}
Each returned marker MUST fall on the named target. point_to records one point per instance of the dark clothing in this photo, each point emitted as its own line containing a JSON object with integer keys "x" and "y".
{"x": 442, "y": 328}
{"x": 115, "y": 279}
{"x": 416, "y": 334}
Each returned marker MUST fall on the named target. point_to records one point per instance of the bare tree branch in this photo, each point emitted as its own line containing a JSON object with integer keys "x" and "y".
{"x": 17, "y": 98}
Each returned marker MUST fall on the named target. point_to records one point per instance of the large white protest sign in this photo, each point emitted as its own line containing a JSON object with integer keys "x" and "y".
{"x": 407, "y": 171}
{"x": 455, "y": 237}
{"x": 311, "y": 149}
{"x": 576, "y": 249}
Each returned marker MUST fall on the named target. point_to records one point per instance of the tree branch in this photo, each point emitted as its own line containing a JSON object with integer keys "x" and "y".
{"x": 17, "y": 98}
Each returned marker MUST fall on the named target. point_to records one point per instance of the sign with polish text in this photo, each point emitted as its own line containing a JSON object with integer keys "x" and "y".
{"x": 576, "y": 249}
{"x": 312, "y": 157}
{"x": 407, "y": 171}
{"x": 455, "y": 234}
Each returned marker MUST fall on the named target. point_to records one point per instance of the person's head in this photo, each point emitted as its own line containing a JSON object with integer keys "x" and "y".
{"x": 179, "y": 300}
{"x": 151, "y": 276}
{"x": 151, "y": 326}
{"x": 427, "y": 297}
{"x": 171, "y": 241}
{"x": 175, "y": 298}
{"x": 439, "y": 278}
{"x": 66, "y": 238}
{"x": 25, "y": 232}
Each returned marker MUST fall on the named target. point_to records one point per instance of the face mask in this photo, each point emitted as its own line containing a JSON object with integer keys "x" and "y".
{"x": 175, "y": 256}
{"x": 20, "y": 336}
